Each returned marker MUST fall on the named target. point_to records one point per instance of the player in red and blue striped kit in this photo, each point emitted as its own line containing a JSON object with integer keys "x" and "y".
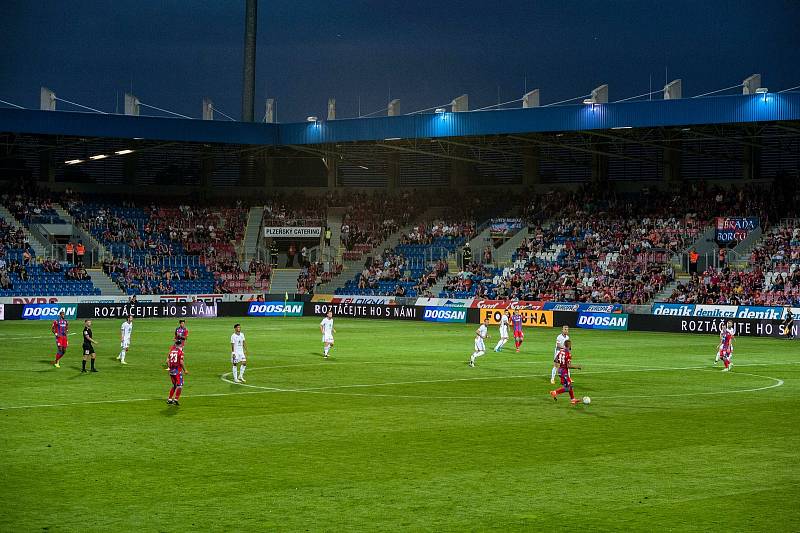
{"x": 726, "y": 346}
{"x": 60, "y": 329}
{"x": 516, "y": 321}
{"x": 564, "y": 360}
{"x": 176, "y": 371}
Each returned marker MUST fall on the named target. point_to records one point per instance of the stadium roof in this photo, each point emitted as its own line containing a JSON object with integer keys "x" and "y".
{"x": 738, "y": 109}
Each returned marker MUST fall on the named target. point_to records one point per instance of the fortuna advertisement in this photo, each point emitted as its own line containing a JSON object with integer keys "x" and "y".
{"x": 530, "y": 317}
{"x": 292, "y": 233}
{"x": 353, "y": 299}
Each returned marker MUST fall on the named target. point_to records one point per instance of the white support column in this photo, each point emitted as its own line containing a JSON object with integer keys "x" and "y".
{"x": 131, "y": 105}
{"x": 531, "y": 99}
{"x": 394, "y": 108}
{"x": 47, "y": 99}
{"x": 460, "y": 103}
{"x": 751, "y": 84}
{"x": 331, "y": 108}
{"x": 269, "y": 111}
{"x": 208, "y": 109}
{"x": 600, "y": 95}
{"x": 673, "y": 90}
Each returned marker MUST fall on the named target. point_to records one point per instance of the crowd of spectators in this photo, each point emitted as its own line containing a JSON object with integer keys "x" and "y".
{"x": 313, "y": 274}
{"x": 771, "y": 278}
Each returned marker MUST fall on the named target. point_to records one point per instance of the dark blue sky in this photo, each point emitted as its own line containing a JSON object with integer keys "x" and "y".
{"x": 175, "y": 52}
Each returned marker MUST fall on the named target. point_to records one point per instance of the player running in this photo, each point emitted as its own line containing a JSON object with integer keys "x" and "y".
{"x": 722, "y": 331}
{"x": 60, "y": 329}
{"x": 327, "y": 330}
{"x": 181, "y": 332}
{"x": 562, "y": 338}
{"x": 564, "y": 357}
{"x": 519, "y": 336}
{"x": 726, "y": 347}
{"x": 125, "y": 339}
{"x": 177, "y": 368}
{"x": 503, "y": 331}
{"x": 238, "y": 354}
{"x": 88, "y": 345}
{"x": 481, "y": 334}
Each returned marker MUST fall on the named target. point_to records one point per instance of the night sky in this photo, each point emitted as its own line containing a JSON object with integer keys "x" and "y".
{"x": 172, "y": 53}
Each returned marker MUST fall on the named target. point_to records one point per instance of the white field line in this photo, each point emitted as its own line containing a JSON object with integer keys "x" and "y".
{"x": 326, "y": 390}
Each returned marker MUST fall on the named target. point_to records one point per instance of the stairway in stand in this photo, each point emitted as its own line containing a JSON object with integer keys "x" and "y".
{"x": 284, "y": 280}
{"x": 104, "y": 283}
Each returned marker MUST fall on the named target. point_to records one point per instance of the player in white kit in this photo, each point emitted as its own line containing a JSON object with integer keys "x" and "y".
{"x": 327, "y": 330}
{"x": 238, "y": 354}
{"x": 560, "y": 340}
{"x": 125, "y": 332}
{"x": 481, "y": 334}
{"x": 503, "y": 331}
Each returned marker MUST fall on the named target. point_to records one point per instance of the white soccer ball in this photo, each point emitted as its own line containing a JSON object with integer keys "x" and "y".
{"x": 587, "y": 400}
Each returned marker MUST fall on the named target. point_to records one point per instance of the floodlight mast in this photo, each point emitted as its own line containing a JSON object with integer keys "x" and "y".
{"x": 249, "y": 68}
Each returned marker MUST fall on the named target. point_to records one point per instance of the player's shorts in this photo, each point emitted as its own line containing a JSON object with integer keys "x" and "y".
{"x": 566, "y": 381}
{"x": 504, "y": 332}
{"x": 125, "y": 344}
{"x": 327, "y": 339}
{"x": 518, "y": 334}
{"x": 177, "y": 378}
{"x": 61, "y": 342}
{"x": 88, "y": 349}
{"x": 726, "y": 353}
{"x": 238, "y": 358}
{"x": 479, "y": 345}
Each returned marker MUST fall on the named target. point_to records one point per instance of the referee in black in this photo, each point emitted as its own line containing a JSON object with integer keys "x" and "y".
{"x": 788, "y": 323}
{"x": 88, "y": 345}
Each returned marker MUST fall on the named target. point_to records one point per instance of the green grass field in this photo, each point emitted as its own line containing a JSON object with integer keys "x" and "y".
{"x": 396, "y": 432}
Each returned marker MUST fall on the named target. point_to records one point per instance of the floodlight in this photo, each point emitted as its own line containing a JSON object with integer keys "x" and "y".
{"x": 312, "y": 119}
{"x": 588, "y": 101}
{"x": 440, "y": 110}
{"x": 98, "y": 156}
{"x": 73, "y": 161}
{"x": 762, "y": 90}
{"x": 363, "y": 167}
{"x": 123, "y": 152}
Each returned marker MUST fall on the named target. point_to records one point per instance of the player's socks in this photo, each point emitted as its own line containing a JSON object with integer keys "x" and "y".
{"x": 178, "y": 393}
{"x": 235, "y": 374}
{"x": 93, "y": 368}
{"x": 83, "y": 365}
{"x": 571, "y": 394}
{"x": 171, "y": 392}
{"x": 241, "y": 373}
{"x": 560, "y": 390}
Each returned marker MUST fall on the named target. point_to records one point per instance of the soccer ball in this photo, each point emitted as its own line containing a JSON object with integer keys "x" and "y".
{"x": 587, "y": 400}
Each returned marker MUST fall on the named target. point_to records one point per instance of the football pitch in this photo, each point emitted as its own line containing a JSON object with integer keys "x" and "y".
{"x": 396, "y": 432}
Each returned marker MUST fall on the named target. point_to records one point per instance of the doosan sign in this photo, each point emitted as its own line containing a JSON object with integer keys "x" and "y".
{"x": 603, "y": 321}
{"x": 49, "y": 311}
{"x": 444, "y": 314}
{"x": 275, "y": 309}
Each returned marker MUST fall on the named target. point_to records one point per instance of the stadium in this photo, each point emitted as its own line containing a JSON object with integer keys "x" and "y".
{"x": 545, "y": 312}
